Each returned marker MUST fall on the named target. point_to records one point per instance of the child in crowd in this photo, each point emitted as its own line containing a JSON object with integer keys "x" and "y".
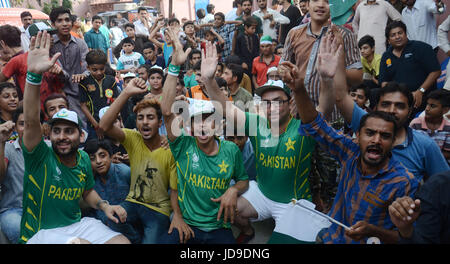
{"x": 210, "y": 36}
{"x": 9, "y": 101}
{"x": 433, "y": 121}
{"x": 165, "y": 45}
{"x": 194, "y": 61}
{"x": 151, "y": 56}
{"x": 247, "y": 44}
{"x": 96, "y": 91}
{"x": 370, "y": 61}
{"x": 112, "y": 181}
{"x": 130, "y": 60}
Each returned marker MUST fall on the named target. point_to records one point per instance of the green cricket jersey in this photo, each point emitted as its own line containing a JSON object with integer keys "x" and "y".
{"x": 202, "y": 177}
{"x": 51, "y": 191}
{"x": 282, "y": 164}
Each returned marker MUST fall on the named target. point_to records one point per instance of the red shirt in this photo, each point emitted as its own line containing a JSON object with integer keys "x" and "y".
{"x": 17, "y": 67}
{"x": 259, "y": 68}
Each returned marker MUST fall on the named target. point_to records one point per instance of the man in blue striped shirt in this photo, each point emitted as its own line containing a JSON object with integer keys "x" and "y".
{"x": 371, "y": 179}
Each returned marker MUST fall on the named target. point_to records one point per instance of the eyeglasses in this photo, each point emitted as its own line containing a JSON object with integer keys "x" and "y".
{"x": 275, "y": 102}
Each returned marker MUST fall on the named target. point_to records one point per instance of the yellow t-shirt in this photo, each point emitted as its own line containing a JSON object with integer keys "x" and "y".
{"x": 152, "y": 173}
{"x": 372, "y": 68}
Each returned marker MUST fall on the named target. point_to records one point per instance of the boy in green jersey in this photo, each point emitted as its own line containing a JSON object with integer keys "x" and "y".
{"x": 205, "y": 167}
{"x": 283, "y": 157}
{"x": 57, "y": 177}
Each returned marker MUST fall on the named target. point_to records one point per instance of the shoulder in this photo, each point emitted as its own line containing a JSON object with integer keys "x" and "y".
{"x": 229, "y": 146}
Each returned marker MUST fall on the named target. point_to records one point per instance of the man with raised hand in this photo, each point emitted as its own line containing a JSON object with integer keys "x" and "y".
{"x": 57, "y": 177}
{"x": 283, "y": 157}
{"x": 205, "y": 165}
{"x": 370, "y": 179}
{"x": 415, "y": 150}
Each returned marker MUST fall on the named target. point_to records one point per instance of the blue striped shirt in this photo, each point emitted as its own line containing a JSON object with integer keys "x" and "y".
{"x": 359, "y": 197}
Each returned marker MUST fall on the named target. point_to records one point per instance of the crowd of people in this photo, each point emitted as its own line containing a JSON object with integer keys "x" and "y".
{"x": 161, "y": 131}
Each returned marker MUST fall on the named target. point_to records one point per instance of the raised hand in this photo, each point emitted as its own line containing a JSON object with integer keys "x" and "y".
{"x": 291, "y": 75}
{"x": 38, "y": 57}
{"x": 6, "y": 130}
{"x": 136, "y": 86}
{"x": 328, "y": 57}
{"x": 178, "y": 55}
{"x": 209, "y": 61}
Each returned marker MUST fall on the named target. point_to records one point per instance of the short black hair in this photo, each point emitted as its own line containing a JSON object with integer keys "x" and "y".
{"x": 394, "y": 87}
{"x": 127, "y": 25}
{"x": 149, "y": 45}
{"x": 94, "y": 145}
{"x": 367, "y": 39}
{"x": 17, "y": 113}
{"x": 7, "y": 85}
{"x": 237, "y": 71}
{"x": 209, "y": 8}
{"x": 392, "y": 25}
{"x": 73, "y": 18}
{"x": 96, "y": 56}
{"x": 201, "y": 13}
{"x": 233, "y": 59}
{"x": 250, "y": 21}
{"x": 97, "y": 18}
{"x": 174, "y": 19}
{"x": 128, "y": 40}
{"x": 25, "y": 14}
{"x": 54, "y": 96}
{"x": 221, "y": 82}
{"x": 10, "y": 35}
{"x": 187, "y": 23}
{"x": 57, "y": 11}
{"x": 142, "y": 9}
{"x": 363, "y": 87}
{"x": 221, "y": 15}
{"x": 194, "y": 51}
{"x": 442, "y": 95}
{"x": 381, "y": 115}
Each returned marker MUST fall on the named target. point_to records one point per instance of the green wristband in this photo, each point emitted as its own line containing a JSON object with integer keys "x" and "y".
{"x": 34, "y": 78}
{"x": 174, "y": 70}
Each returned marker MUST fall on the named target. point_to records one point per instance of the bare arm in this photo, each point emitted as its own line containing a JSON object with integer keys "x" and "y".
{"x": 38, "y": 63}
{"x": 169, "y": 90}
{"x": 152, "y": 36}
{"x": 92, "y": 198}
{"x": 6, "y": 130}
{"x": 134, "y": 87}
{"x": 209, "y": 65}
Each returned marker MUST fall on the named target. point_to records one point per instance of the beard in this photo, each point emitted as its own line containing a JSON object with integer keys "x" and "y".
{"x": 66, "y": 153}
{"x": 375, "y": 150}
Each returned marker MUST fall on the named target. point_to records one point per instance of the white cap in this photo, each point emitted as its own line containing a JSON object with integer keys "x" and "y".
{"x": 197, "y": 107}
{"x": 271, "y": 69}
{"x": 128, "y": 75}
{"x": 65, "y": 114}
{"x": 102, "y": 112}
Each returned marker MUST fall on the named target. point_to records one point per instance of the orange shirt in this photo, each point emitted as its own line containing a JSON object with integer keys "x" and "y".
{"x": 197, "y": 93}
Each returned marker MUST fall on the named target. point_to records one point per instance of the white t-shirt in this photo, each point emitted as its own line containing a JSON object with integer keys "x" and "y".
{"x": 127, "y": 62}
{"x": 117, "y": 36}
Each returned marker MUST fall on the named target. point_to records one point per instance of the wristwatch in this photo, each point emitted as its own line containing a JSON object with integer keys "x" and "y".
{"x": 422, "y": 90}
{"x": 100, "y": 202}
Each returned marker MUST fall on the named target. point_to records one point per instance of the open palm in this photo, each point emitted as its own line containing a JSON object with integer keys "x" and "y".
{"x": 328, "y": 58}
{"x": 178, "y": 55}
{"x": 209, "y": 61}
{"x": 38, "y": 57}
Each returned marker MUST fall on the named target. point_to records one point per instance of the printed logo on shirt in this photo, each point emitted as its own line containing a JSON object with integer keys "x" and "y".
{"x": 195, "y": 160}
{"x": 91, "y": 88}
{"x": 407, "y": 55}
{"x": 109, "y": 93}
{"x": 388, "y": 62}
